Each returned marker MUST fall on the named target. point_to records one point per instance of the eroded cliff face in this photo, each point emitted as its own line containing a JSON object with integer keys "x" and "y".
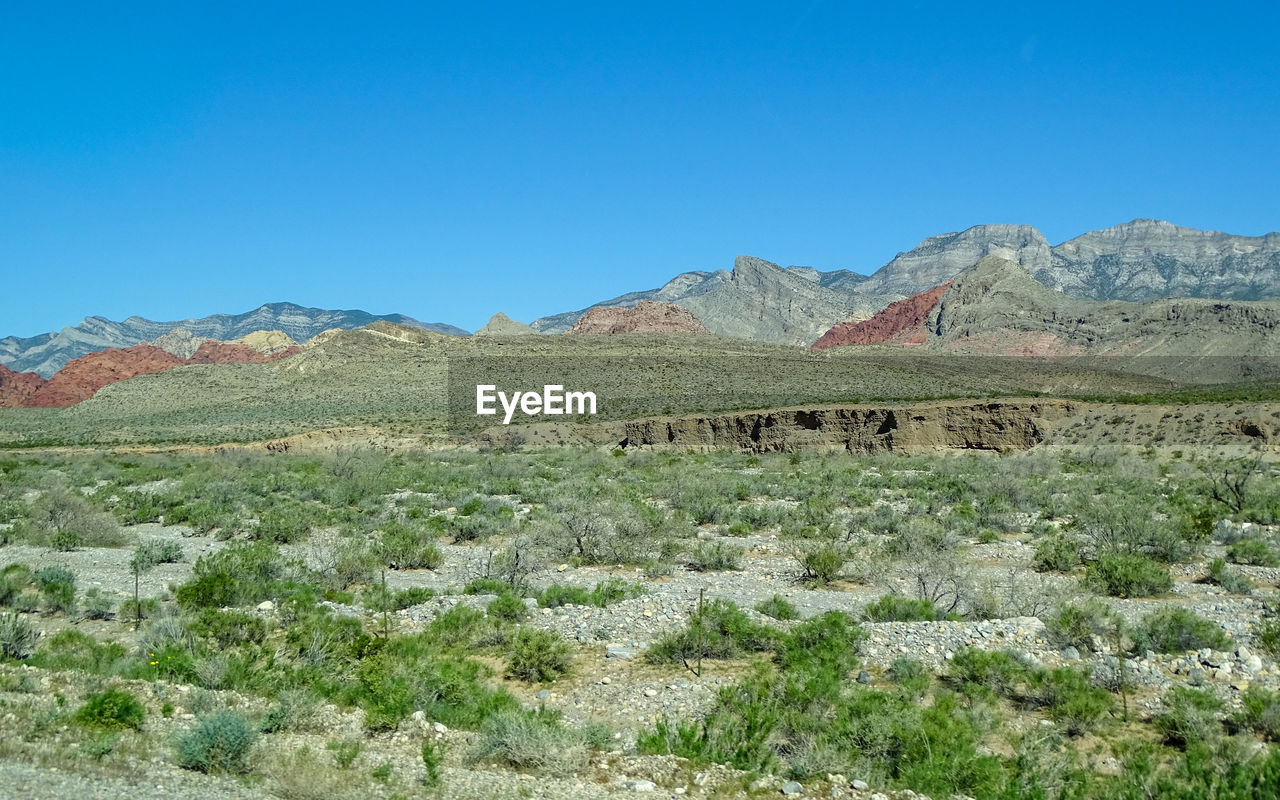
{"x": 981, "y": 425}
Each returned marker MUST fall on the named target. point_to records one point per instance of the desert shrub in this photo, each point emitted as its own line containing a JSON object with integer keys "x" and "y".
{"x": 294, "y": 710}
{"x": 1125, "y": 525}
{"x": 17, "y": 638}
{"x": 1190, "y": 716}
{"x": 151, "y": 552}
{"x": 66, "y": 521}
{"x": 896, "y": 608}
{"x": 1069, "y": 699}
{"x": 1056, "y": 553}
{"x": 96, "y": 604}
{"x": 825, "y": 644}
{"x": 537, "y": 656}
{"x": 605, "y": 593}
{"x": 72, "y": 650}
{"x": 226, "y": 629}
{"x": 412, "y": 673}
{"x": 406, "y": 548}
{"x": 143, "y": 608}
{"x": 719, "y": 629}
{"x": 112, "y": 708}
{"x": 219, "y": 743}
{"x": 778, "y": 607}
{"x": 13, "y": 580}
{"x": 239, "y": 574}
{"x": 507, "y": 607}
{"x": 535, "y": 740}
{"x": 1174, "y": 629}
{"x": 432, "y": 753}
{"x": 996, "y": 671}
{"x": 822, "y": 564}
{"x": 715, "y": 557}
{"x": 1077, "y": 624}
{"x": 1255, "y": 552}
{"x": 487, "y": 586}
{"x": 1260, "y": 712}
{"x": 910, "y": 675}
{"x": 1124, "y": 575}
{"x": 1228, "y": 578}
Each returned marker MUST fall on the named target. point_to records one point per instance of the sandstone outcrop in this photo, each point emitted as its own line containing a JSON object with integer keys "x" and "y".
{"x": 83, "y": 376}
{"x": 645, "y": 317}
{"x": 902, "y": 322}
{"x": 17, "y": 387}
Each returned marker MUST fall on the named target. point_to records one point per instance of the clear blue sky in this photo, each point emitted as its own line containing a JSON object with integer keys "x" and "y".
{"x": 178, "y": 159}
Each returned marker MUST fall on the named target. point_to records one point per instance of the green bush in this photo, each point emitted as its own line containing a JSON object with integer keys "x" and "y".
{"x": 1174, "y": 630}
{"x": 826, "y": 644}
{"x": 779, "y": 608}
{"x": 718, "y": 630}
{"x": 17, "y": 638}
{"x": 821, "y": 565}
{"x": 537, "y": 741}
{"x": 1260, "y": 713}
{"x": 993, "y": 670}
{"x": 1229, "y": 578}
{"x": 1056, "y": 553}
{"x": 405, "y": 548}
{"x": 1077, "y": 624}
{"x": 715, "y": 557}
{"x": 487, "y": 586}
{"x": 910, "y": 675}
{"x": 96, "y": 604}
{"x": 1123, "y": 575}
{"x": 156, "y": 551}
{"x": 896, "y": 608}
{"x": 1254, "y": 552}
{"x": 605, "y": 593}
{"x": 507, "y": 607}
{"x": 538, "y": 656}
{"x": 112, "y": 708}
{"x": 219, "y": 743}
{"x": 1069, "y": 699}
{"x": 1191, "y": 716}
{"x": 239, "y": 574}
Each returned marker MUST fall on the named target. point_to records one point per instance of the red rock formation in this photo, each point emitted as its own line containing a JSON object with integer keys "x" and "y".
{"x": 84, "y": 376}
{"x": 646, "y": 317}
{"x": 16, "y": 387}
{"x": 216, "y": 352}
{"x": 899, "y": 323}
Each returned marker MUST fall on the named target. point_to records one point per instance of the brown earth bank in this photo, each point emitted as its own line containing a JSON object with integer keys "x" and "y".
{"x": 17, "y": 387}
{"x": 995, "y": 425}
{"x": 646, "y": 317}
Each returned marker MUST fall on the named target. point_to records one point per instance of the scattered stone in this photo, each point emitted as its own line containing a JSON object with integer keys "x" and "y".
{"x": 859, "y": 785}
{"x": 791, "y": 788}
{"x": 650, "y": 692}
{"x": 543, "y": 694}
{"x": 267, "y": 606}
{"x": 640, "y": 786}
{"x": 618, "y": 651}
{"x": 864, "y": 677}
{"x": 1070, "y": 653}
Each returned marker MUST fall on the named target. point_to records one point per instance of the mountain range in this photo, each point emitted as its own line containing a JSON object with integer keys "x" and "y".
{"x": 49, "y": 352}
{"x": 1138, "y": 261}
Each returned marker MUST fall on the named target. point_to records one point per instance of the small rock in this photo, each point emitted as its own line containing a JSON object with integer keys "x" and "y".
{"x": 618, "y": 651}
{"x": 864, "y": 677}
{"x": 266, "y": 605}
{"x": 543, "y": 694}
{"x": 859, "y": 785}
{"x": 640, "y": 786}
{"x": 791, "y": 788}
{"x": 1070, "y": 653}
{"x": 650, "y": 692}
{"x": 606, "y": 681}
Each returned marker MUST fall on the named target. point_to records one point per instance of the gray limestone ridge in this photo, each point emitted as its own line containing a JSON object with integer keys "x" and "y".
{"x": 1138, "y": 261}
{"x": 47, "y": 353}
{"x": 757, "y": 300}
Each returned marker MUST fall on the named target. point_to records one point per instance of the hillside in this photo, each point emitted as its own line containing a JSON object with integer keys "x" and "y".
{"x": 758, "y": 300}
{"x": 997, "y": 308}
{"x": 47, "y": 353}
